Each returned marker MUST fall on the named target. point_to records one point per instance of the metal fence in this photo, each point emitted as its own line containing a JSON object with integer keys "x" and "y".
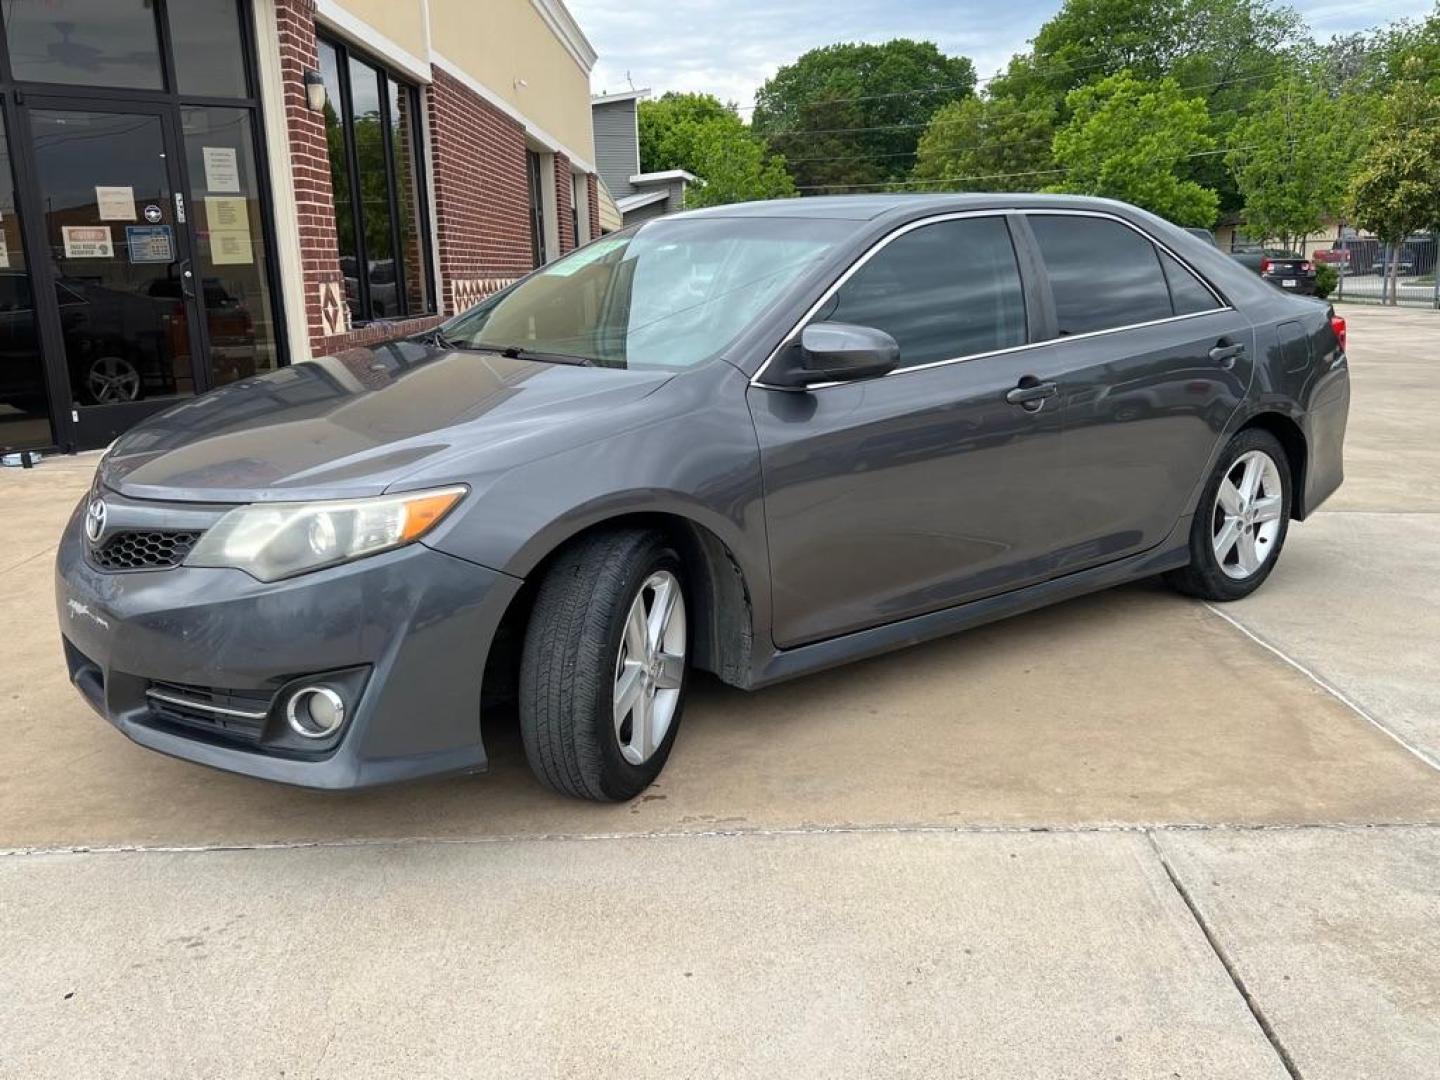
{"x": 1362, "y": 264}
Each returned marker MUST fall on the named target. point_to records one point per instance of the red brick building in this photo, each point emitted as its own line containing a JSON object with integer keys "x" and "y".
{"x": 334, "y": 173}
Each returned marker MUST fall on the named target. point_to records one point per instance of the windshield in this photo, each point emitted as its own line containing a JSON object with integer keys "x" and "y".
{"x": 666, "y": 294}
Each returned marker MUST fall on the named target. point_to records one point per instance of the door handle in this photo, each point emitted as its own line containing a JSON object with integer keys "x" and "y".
{"x": 1226, "y": 355}
{"x": 1031, "y": 393}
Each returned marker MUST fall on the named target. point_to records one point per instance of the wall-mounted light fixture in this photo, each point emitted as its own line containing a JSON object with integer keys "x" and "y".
{"x": 315, "y": 91}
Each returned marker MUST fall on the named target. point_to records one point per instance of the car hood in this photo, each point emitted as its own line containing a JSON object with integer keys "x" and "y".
{"x": 359, "y": 422}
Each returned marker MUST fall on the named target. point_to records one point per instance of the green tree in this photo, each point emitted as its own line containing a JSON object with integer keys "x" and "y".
{"x": 1127, "y": 139}
{"x": 1292, "y": 158}
{"x": 988, "y": 144}
{"x": 697, "y": 133}
{"x": 1396, "y": 191}
{"x": 1222, "y": 51}
{"x": 848, "y": 116}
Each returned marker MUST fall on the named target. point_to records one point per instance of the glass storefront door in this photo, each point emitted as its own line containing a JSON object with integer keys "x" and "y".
{"x": 139, "y": 194}
{"x": 119, "y": 258}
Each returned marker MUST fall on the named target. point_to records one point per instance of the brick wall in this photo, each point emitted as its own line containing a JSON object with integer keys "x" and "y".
{"x": 482, "y": 200}
{"x": 592, "y": 193}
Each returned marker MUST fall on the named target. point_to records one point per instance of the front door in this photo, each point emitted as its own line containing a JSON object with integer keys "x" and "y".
{"x": 116, "y": 251}
{"x": 895, "y": 496}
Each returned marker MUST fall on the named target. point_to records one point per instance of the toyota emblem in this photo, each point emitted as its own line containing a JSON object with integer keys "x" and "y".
{"x": 95, "y": 519}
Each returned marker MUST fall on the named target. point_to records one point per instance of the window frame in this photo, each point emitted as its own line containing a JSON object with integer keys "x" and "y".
{"x": 1159, "y": 246}
{"x": 386, "y": 78}
{"x": 535, "y": 192}
{"x": 1033, "y": 278}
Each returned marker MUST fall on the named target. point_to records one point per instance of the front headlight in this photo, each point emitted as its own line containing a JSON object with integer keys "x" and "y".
{"x": 278, "y": 540}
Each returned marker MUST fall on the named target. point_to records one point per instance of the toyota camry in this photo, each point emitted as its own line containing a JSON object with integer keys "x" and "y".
{"x": 755, "y": 441}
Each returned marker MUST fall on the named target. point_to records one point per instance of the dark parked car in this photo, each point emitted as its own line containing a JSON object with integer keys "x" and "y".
{"x": 1284, "y": 269}
{"x": 755, "y": 440}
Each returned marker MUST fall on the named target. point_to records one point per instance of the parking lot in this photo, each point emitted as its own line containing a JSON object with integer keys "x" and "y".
{"x": 1129, "y": 836}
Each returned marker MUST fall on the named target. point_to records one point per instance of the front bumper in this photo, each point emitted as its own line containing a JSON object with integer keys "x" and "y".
{"x": 409, "y": 630}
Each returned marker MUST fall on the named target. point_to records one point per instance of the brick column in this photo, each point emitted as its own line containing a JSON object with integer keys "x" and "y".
{"x": 324, "y": 308}
{"x": 592, "y": 193}
{"x": 482, "y": 199}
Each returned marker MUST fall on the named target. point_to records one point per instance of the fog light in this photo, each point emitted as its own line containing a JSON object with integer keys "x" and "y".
{"x": 315, "y": 712}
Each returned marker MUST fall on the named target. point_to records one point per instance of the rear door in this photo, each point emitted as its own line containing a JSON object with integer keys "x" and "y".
{"x": 894, "y": 496}
{"x": 1151, "y": 362}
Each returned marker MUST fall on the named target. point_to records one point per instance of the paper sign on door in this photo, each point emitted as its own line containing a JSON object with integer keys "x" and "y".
{"x": 115, "y": 203}
{"x": 87, "y": 242}
{"x": 222, "y": 173}
{"x": 229, "y": 222}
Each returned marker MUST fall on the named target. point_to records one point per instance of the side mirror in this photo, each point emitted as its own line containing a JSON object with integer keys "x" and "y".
{"x": 835, "y": 352}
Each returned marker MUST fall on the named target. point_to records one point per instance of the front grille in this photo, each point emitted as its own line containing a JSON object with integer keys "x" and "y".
{"x": 148, "y": 549}
{"x": 237, "y": 715}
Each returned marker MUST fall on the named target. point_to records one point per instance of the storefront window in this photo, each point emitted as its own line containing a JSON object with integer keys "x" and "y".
{"x": 85, "y": 42}
{"x": 24, "y": 400}
{"x": 372, "y": 130}
{"x": 537, "y": 208}
{"x": 205, "y": 40}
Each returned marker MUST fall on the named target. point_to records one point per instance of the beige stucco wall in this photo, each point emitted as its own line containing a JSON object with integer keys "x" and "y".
{"x": 504, "y": 43}
{"x": 402, "y": 21}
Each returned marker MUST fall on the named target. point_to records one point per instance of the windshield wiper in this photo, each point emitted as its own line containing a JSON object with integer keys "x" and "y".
{"x": 437, "y": 338}
{"x": 516, "y": 352}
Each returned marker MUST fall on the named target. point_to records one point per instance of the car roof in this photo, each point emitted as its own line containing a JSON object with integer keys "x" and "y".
{"x": 869, "y": 207}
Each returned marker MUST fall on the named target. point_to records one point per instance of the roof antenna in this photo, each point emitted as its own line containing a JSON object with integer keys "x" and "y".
{"x": 629, "y": 80}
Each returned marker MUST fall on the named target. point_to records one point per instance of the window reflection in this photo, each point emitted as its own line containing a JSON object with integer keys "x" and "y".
{"x": 89, "y": 42}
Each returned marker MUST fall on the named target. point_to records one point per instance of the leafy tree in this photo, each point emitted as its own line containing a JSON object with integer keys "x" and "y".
{"x": 1223, "y": 51}
{"x": 1397, "y": 190}
{"x": 850, "y": 115}
{"x": 1127, "y": 139}
{"x": 988, "y": 144}
{"x": 1292, "y": 158}
{"x": 697, "y": 133}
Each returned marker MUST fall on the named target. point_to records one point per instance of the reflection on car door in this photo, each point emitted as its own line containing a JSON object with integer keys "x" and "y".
{"x": 1146, "y": 395}
{"x": 894, "y": 496}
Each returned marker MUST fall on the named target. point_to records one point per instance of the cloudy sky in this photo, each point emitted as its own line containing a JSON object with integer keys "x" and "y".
{"x": 730, "y": 47}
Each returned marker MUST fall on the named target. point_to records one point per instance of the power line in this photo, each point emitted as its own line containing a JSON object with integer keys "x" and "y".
{"x": 1040, "y": 71}
{"x": 1038, "y": 172}
{"x": 783, "y": 132}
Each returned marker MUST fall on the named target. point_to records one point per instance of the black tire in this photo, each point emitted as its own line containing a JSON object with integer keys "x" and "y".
{"x": 1204, "y": 577}
{"x": 567, "y": 670}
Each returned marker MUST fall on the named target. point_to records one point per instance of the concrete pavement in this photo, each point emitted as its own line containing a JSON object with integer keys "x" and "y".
{"x": 1128, "y": 836}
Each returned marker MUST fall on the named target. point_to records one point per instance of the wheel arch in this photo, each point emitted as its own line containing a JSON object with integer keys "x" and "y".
{"x": 717, "y": 589}
{"x": 1292, "y": 440}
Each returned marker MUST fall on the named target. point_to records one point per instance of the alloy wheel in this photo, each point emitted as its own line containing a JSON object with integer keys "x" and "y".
{"x": 1246, "y": 517}
{"x": 650, "y": 667}
{"x": 113, "y": 379}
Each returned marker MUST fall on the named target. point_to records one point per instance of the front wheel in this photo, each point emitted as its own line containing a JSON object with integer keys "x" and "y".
{"x": 602, "y": 677}
{"x": 1241, "y": 522}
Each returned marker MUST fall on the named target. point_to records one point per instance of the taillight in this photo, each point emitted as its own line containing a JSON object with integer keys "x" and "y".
{"x": 1264, "y": 266}
{"x": 1305, "y": 268}
{"x": 1338, "y": 325}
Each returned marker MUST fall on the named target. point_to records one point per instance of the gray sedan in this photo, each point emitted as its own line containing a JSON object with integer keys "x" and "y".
{"x": 756, "y": 441}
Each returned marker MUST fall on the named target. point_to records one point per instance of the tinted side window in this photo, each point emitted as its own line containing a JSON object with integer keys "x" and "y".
{"x": 1186, "y": 292}
{"x": 942, "y": 291}
{"x": 1103, "y": 274}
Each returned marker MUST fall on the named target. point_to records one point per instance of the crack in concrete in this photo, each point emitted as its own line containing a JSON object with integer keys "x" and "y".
{"x": 1147, "y": 830}
{"x": 1266, "y": 1028}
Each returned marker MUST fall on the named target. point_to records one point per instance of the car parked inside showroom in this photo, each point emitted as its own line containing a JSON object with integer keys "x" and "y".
{"x": 755, "y": 441}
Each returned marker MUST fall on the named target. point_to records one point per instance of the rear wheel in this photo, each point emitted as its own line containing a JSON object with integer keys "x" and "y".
{"x": 602, "y": 677}
{"x": 1241, "y": 522}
